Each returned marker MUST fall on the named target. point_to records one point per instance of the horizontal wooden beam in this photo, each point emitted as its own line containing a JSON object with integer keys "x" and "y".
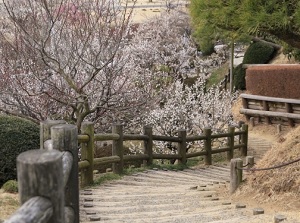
{"x": 271, "y": 99}
{"x": 261, "y": 65}
{"x": 269, "y": 113}
{"x": 135, "y": 137}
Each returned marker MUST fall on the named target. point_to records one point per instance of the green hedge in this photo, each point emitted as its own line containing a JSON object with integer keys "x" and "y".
{"x": 16, "y": 136}
{"x": 257, "y": 53}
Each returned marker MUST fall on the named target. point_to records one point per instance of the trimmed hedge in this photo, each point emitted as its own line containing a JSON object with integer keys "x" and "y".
{"x": 257, "y": 53}
{"x": 280, "y": 81}
{"x": 16, "y": 136}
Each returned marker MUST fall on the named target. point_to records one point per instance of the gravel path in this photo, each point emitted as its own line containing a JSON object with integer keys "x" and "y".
{"x": 160, "y": 196}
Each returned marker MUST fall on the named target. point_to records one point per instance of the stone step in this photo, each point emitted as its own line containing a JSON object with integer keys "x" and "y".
{"x": 164, "y": 196}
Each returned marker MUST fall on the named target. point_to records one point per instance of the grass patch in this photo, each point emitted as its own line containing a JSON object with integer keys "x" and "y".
{"x": 105, "y": 178}
{"x": 217, "y": 75}
{"x": 10, "y": 186}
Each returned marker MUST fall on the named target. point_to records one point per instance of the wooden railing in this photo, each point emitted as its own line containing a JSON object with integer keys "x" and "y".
{"x": 88, "y": 137}
{"x": 48, "y": 177}
{"x": 271, "y": 110}
{"x": 48, "y": 180}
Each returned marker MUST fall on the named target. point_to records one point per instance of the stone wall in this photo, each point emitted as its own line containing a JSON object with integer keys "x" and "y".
{"x": 282, "y": 81}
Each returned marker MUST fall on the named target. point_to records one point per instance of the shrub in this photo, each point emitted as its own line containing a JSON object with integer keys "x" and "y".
{"x": 257, "y": 53}
{"x": 239, "y": 73}
{"x": 207, "y": 46}
{"x": 10, "y": 186}
{"x": 16, "y": 136}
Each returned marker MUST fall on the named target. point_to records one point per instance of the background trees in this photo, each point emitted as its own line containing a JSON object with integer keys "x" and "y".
{"x": 62, "y": 59}
{"x": 85, "y": 61}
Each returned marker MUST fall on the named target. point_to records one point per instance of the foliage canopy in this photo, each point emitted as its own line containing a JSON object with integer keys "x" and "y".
{"x": 280, "y": 19}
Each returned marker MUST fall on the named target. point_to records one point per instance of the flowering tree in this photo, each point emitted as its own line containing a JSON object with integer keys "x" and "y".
{"x": 73, "y": 60}
{"x": 62, "y": 59}
{"x": 191, "y": 108}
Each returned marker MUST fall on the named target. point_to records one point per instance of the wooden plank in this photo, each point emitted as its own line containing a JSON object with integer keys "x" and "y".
{"x": 104, "y": 137}
{"x": 269, "y": 113}
{"x": 106, "y": 160}
{"x": 273, "y": 99}
{"x": 195, "y": 154}
{"x": 135, "y": 157}
{"x": 166, "y": 138}
{"x": 134, "y": 137}
{"x": 166, "y": 156}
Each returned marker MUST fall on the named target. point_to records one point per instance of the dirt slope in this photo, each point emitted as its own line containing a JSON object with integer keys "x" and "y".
{"x": 277, "y": 189}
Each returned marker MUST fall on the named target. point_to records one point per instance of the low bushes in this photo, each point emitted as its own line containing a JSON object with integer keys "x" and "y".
{"x": 16, "y": 136}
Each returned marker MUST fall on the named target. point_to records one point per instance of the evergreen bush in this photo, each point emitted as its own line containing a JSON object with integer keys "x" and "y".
{"x": 207, "y": 47}
{"x": 16, "y": 136}
{"x": 257, "y": 53}
{"x": 239, "y": 74}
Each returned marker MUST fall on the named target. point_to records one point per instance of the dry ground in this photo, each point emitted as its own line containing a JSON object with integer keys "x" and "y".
{"x": 275, "y": 190}
{"x": 8, "y": 204}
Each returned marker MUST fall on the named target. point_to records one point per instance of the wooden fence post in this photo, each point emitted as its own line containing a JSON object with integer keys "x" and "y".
{"x": 148, "y": 145}
{"x": 244, "y": 140}
{"x": 245, "y": 105}
{"x": 65, "y": 139}
{"x": 182, "y": 146}
{"x": 230, "y": 142}
{"x": 87, "y": 153}
{"x": 40, "y": 173}
{"x": 266, "y": 108}
{"x": 45, "y": 130}
{"x": 207, "y": 146}
{"x": 117, "y": 149}
{"x": 289, "y": 109}
{"x": 236, "y": 174}
{"x": 250, "y": 161}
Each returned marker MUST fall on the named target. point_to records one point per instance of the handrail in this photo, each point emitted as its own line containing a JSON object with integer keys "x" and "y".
{"x": 271, "y": 99}
{"x": 270, "y": 108}
{"x": 88, "y": 162}
{"x": 55, "y": 195}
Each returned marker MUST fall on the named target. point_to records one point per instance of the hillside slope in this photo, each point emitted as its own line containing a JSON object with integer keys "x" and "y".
{"x": 276, "y": 189}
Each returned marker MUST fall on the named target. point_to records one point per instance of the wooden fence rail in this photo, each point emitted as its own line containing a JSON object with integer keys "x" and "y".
{"x": 48, "y": 177}
{"x": 271, "y": 110}
{"x": 88, "y": 137}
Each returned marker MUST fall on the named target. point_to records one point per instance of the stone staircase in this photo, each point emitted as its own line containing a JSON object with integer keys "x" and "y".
{"x": 161, "y": 196}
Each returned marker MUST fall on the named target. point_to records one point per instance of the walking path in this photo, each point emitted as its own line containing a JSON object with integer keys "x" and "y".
{"x": 159, "y": 196}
